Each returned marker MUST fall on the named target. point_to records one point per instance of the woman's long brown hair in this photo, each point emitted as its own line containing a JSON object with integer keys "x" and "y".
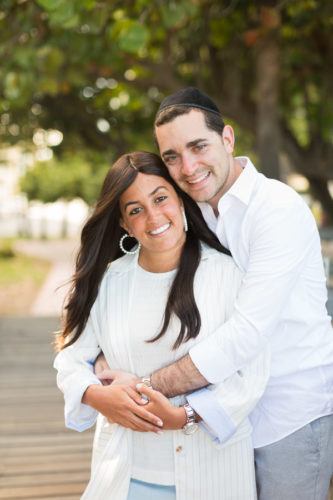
{"x": 100, "y": 246}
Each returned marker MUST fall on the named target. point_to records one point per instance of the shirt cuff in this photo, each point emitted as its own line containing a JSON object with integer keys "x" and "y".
{"x": 218, "y": 421}
{"x": 79, "y": 416}
{"x": 211, "y": 361}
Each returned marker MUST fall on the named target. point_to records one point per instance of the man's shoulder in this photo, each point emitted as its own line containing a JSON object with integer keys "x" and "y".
{"x": 273, "y": 192}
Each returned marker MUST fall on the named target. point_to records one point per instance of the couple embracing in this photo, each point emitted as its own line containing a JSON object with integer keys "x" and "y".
{"x": 217, "y": 375}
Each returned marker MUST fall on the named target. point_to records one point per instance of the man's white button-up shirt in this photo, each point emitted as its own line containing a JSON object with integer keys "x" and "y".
{"x": 274, "y": 240}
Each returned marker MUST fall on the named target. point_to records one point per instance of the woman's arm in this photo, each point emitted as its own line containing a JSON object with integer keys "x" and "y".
{"x": 84, "y": 394}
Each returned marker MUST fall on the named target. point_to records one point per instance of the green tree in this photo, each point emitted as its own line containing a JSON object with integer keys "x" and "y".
{"x": 75, "y": 175}
{"x": 97, "y": 70}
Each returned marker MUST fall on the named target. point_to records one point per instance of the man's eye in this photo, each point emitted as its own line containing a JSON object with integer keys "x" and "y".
{"x": 200, "y": 147}
{"x": 170, "y": 159}
{"x": 135, "y": 211}
{"x": 159, "y": 199}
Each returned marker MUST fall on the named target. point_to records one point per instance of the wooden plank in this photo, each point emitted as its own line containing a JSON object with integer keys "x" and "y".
{"x": 40, "y": 458}
{"x": 38, "y": 479}
{"x": 42, "y": 491}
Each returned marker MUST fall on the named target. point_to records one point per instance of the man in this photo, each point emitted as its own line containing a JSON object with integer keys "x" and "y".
{"x": 274, "y": 240}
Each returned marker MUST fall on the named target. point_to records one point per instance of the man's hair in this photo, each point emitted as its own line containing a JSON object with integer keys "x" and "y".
{"x": 213, "y": 120}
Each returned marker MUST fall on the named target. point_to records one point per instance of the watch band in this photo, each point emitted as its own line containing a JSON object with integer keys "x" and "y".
{"x": 191, "y": 424}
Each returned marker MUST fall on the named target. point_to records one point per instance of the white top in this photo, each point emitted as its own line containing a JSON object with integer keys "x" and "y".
{"x": 146, "y": 319}
{"x": 273, "y": 238}
{"x": 113, "y": 326}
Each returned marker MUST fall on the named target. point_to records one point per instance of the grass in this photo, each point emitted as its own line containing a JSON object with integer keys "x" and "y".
{"x": 20, "y": 279}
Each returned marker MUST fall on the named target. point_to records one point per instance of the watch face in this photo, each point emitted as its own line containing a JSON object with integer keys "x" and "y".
{"x": 190, "y": 428}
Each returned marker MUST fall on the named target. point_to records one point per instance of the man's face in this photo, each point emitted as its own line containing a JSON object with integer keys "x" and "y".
{"x": 198, "y": 159}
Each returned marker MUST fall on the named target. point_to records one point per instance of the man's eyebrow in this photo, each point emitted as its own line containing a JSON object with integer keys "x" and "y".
{"x": 194, "y": 143}
{"x": 168, "y": 152}
{"x": 150, "y": 194}
{"x": 190, "y": 144}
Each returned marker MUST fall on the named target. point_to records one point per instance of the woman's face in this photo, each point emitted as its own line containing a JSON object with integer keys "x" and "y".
{"x": 152, "y": 212}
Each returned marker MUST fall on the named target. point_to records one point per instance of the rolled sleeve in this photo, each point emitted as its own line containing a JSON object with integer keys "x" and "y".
{"x": 215, "y": 421}
{"x": 224, "y": 406}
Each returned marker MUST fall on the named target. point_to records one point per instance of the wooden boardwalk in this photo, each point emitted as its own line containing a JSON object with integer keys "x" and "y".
{"x": 39, "y": 457}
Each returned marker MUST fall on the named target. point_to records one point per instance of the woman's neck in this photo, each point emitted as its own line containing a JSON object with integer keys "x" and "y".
{"x": 160, "y": 262}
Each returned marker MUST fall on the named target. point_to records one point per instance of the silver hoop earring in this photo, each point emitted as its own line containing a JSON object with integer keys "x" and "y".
{"x": 185, "y": 221}
{"x": 136, "y": 250}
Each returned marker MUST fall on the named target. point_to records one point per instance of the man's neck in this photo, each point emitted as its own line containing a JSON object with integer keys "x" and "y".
{"x": 235, "y": 171}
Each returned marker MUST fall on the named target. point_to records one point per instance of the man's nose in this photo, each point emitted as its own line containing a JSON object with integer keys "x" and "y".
{"x": 188, "y": 164}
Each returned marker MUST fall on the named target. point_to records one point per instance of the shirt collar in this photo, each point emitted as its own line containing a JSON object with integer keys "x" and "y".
{"x": 241, "y": 189}
{"x": 244, "y": 184}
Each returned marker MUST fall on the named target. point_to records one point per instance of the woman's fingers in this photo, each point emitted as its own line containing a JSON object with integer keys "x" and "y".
{"x": 141, "y": 412}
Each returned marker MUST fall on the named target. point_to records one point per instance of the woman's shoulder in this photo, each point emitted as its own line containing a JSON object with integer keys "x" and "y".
{"x": 216, "y": 260}
{"x": 209, "y": 254}
{"x": 122, "y": 265}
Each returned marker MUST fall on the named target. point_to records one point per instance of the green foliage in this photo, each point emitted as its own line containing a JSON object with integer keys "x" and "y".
{"x": 6, "y": 249}
{"x": 78, "y": 62}
{"x": 73, "y": 176}
{"x": 22, "y": 270}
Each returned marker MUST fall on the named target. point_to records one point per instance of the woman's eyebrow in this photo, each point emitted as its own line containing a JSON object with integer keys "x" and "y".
{"x": 150, "y": 194}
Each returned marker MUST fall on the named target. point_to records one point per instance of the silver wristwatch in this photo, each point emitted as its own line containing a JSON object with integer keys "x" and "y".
{"x": 191, "y": 424}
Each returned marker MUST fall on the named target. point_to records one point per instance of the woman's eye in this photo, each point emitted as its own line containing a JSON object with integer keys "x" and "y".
{"x": 135, "y": 211}
{"x": 160, "y": 199}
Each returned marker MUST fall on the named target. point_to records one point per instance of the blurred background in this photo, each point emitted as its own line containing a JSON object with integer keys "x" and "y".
{"x": 80, "y": 82}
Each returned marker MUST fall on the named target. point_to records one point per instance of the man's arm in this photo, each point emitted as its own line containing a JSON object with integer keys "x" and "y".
{"x": 179, "y": 378}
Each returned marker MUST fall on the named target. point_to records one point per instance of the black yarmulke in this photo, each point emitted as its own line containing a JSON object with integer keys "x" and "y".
{"x": 190, "y": 97}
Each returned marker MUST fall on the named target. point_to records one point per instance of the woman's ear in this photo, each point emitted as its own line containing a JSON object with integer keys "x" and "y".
{"x": 124, "y": 226}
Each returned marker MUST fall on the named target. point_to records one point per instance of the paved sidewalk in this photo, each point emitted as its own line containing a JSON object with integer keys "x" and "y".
{"x": 61, "y": 253}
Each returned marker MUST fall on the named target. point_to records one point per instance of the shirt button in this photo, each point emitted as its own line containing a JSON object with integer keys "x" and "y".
{"x": 179, "y": 449}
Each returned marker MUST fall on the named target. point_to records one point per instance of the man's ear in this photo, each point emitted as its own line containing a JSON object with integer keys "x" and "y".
{"x": 228, "y": 138}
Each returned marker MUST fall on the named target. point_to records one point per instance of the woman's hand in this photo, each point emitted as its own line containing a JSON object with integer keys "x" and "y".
{"x": 118, "y": 377}
{"x": 100, "y": 366}
{"x": 173, "y": 417}
{"x": 121, "y": 404}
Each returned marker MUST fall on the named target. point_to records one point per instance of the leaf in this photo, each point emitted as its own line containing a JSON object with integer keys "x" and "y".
{"x": 64, "y": 16}
{"x": 89, "y": 4}
{"x": 131, "y": 35}
{"x": 50, "y": 4}
{"x": 173, "y": 14}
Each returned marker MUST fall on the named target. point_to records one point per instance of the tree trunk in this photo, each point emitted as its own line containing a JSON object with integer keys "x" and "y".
{"x": 319, "y": 190}
{"x": 267, "y": 75}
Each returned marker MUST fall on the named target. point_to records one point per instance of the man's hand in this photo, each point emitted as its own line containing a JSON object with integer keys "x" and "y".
{"x": 173, "y": 417}
{"x": 121, "y": 404}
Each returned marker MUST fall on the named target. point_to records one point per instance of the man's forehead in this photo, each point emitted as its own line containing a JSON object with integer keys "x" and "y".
{"x": 183, "y": 129}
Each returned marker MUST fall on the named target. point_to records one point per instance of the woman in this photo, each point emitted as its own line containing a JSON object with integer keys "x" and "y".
{"x": 144, "y": 310}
